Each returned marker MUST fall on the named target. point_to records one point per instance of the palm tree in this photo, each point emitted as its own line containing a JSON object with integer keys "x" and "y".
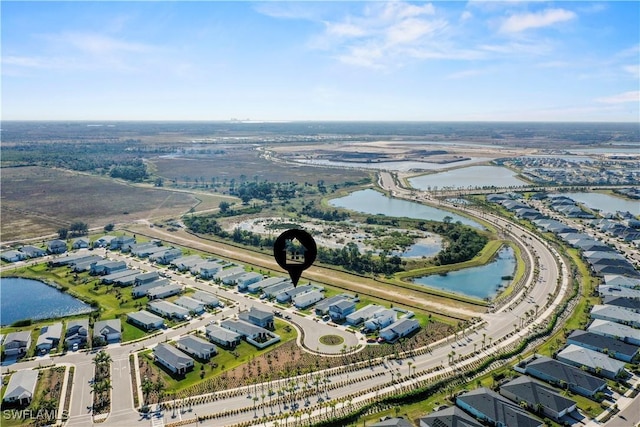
{"x": 147, "y": 388}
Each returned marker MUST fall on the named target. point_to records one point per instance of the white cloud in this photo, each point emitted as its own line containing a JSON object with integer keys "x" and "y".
{"x": 521, "y": 22}
{"x": 466, "y": 15}
{"x": 621, "y": 98}
{"x": 634, "y": 70}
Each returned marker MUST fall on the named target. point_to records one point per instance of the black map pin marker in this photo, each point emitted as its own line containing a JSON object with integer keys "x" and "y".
{"x": 295, "y": 250}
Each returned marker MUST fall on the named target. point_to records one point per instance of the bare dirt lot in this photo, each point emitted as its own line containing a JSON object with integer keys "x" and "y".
{"x": 38, "y": 201}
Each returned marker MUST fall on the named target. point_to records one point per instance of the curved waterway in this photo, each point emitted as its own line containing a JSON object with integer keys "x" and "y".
{"x": 22, "y": 299}
{"x": 375, "y": 203}
{"x": 479, "y": 282}
{"x": 473, "y": 176}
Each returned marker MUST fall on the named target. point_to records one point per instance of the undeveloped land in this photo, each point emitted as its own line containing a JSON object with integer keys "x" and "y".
{"x": 38, "y": 201}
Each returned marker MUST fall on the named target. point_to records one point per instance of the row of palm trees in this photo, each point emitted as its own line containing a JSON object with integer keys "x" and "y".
{"x": 101, "y": 384}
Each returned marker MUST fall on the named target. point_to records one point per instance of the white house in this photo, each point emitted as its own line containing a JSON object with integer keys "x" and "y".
{"x": 107, "y": 330}
{"x": 307, "y": 299}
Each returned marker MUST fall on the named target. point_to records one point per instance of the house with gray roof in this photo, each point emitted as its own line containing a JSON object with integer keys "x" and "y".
{"x": 307, "y": 299}
{"x": 287, "y": 295}
{"x": 615, "y": 330}
{"x": 563, "y": 375}
{"x": 169, "y": 310}
{"x": 145, "y": 320}
{"x": 206, "y": 298}
{"x": 193, "y": 305}
{"x": 594, "y": 361}
{"x": 128, "y": 277}
{"x": 615, "y": 314}
{"x": 80, "y": 243}
{"x": 172, "y": 359}
{"x": 223, "y": 336}
{"x": 228, "y": 272}
{"x": 185, "y": 263}
{"x": 611, "y": 346}
{"x": 122, "y": 243}
{"x": 143, "y": 290}
{"x": 248, "y": 279}
{"x": 232, "y": 279}
{"x": 490, "y": 407}
{"x": 273, "y": 290}
{"x": 77, "y": 333}
{"x": 17, "y": 343}
{"x": 258, "y": 317}
{"x": 105, "y": 267}
{"x": 49, "y": 337}
{"x": 206, "y": 269}
{"x": 254, "y": 335}
{"x": 166, "y": 256}
{"x": 145, "y": 250}
{"x": 626, "y": 303}
{"x": 163, "y": 291}
{"x": 258, "y": 286}
{"x": 449, "y": 417}
{"x": 381, "y": 319}
{"x": 618, "y": 291}
{"x": 624, "y": 281}
{"x": 341, "y": 309}
{"x": 538, "y": 397}
{"x": 393, "y": 422}
{"x": 196, "y": 347}
{"x": 399, "y": 329}
{"x": 108, "y": 330}
{"x": 364, "y": 314}
{"x": 33, "y": 251}
{"x": 85, "y": 264}
{"x": 103, "y": 242}
{"x": 322, "y": 308}
{"x": 21, "y": 387}
{"x": 56, "y": 246}
{"x": 147, "y": 277}
{"x": 13, "y": 256}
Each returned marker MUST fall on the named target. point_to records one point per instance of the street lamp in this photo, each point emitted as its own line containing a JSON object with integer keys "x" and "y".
{"x": 196, "y": 418}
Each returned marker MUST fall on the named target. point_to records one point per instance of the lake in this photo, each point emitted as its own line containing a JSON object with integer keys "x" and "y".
{"x": 403, "y": 166}
{"x": 475, "y": 176}
{"x": 18, "y": 301}
{"x": 373, "y": 202}
{"x": 480, "y": 282}
{"x": 606, "y": 202}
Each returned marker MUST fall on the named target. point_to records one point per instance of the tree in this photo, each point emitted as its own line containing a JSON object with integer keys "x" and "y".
{"x": 109, "y": 227}
{"x": 224, "y": 206}
{"x": 62, "y": 233}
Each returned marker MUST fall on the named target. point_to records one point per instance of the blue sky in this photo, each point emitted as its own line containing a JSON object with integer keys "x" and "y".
{"x": 476, "y": 60}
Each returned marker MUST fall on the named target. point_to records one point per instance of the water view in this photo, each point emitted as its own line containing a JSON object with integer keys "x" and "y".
{"x": 480, "y": 282}
{"x": 473, "y": 176}
{"x": 17, "y": 302}
{"x": 393, "y": 166}
{"x": 373, "y": 202}
{"x": 605, "y": 202}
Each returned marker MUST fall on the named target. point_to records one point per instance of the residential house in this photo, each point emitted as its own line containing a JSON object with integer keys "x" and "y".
{"x": 627, "y": 303}
{"x": 172, "y": 359}
{"x": 307, "y": 299}
{"x": 624, "y": 281}
{"x": 109, "y": 331}
{"x": 591, "y": 360}
{"x": 611, "y": 346}
{"x": 258, "y": 317}
{"x": 185, "y": 263}
{"x": 381, "y": 319}
{"x": 618, "y": 291}
{"x": 615, "y": 314}
{"x": 80, "y": 243}
{"x": 85, "y": 264}
{"x": 49, "y": 337}
{"x": 13, "y": 256}
{"x": 341, "y": 309}
{"x": 207, "y": 269}
{"x": 563, "y": 375}
{"x": 77, "y": 333}
{"x": 56, "y": 246}
{"x": 322, "y": 308}
{"x": 32, "y": 251}
{"x": 163, "y": 291}
{"x": 227, "y": 272}
{"x": 248, "y": 279}
{"x": 449, "y": 417}
{"x": 364, "y": 314}
{"x": 145, "y": 250}
{"x": 106, "y": 267}
{"x": 143, "y": 290}
{"x": 17, "y": 343}
{"x": 103, "y": 242}
{"x": 206, "y": 298}
{"x": 193, "y": 305}
{"x": 490, "y": 407}
{"x": 124, "y": 277}
{"x": 145, "y": 320}
{"x": 223, "y": 336}
{"x": 286, "y": 296}
{"x": 255, "y": 335}
{"x": 399, "y": 329}
{"x": 196, "y": 347}
{"x": 258, "y": 286}
{"x": 273, "y": 290}
{"x": 615, "y": 330}
{"x": 166, "y": 256}
{"x": 169, "y": 310}
{"x": 70, "y": 259}
{"x": 122, "y": 243}
{"x": 21, "y": 387}
{"x": 231, "y": 279}
{"x": 538, "y": 397}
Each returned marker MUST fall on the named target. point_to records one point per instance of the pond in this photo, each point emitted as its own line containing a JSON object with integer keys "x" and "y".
{"x": 480, "y": 282}
{"x": 606, "y": 202}
{"x": 474, "y": 176}
{"x": 373, "y": 202}
{"x": 17, "y": 301}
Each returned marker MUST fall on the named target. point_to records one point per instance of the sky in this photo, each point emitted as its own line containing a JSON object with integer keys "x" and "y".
{"x": 331, "y": 60}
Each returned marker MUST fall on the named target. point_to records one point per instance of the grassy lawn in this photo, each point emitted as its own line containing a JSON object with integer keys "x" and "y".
{"x": 519, "y": 273}
{"x": 225, "y": 360}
